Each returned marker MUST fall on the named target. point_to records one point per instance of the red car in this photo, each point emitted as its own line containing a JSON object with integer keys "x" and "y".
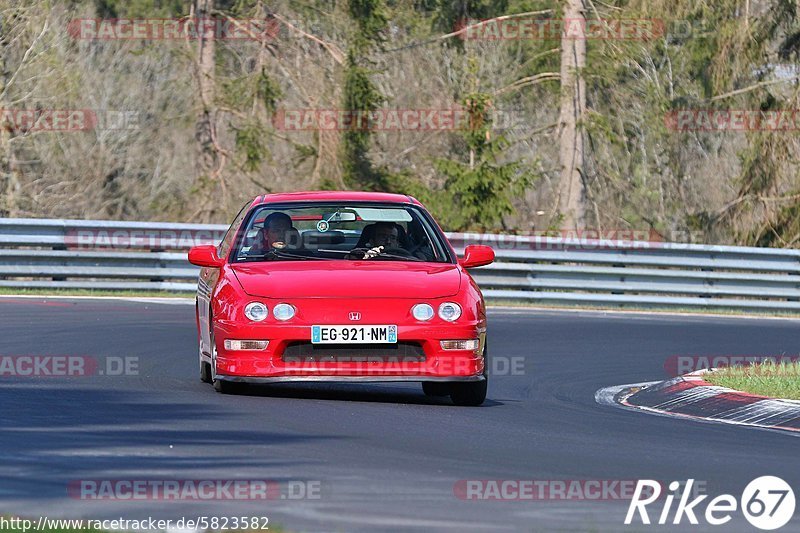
{"x": 341, "y": 286}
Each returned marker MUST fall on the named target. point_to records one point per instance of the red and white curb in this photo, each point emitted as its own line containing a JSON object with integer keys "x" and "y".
{"x": 691, "y": 396}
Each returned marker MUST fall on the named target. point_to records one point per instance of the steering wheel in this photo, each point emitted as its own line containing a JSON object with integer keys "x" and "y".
{"x": 419, "y": 245}
{"x": 361, "y": 250}
{"x": 398, "y": 251}
{"x": 395, "y": 251}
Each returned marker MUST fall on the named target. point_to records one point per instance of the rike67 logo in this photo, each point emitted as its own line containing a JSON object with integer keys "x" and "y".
{"x": 767, "y": 503}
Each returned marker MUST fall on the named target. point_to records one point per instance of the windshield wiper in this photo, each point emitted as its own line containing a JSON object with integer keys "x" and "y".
{"x": 396, "y": 256}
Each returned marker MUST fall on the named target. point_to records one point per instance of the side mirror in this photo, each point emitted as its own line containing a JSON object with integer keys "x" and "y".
{"x": 205, "y": 256}
{"x": 476, "y": 255}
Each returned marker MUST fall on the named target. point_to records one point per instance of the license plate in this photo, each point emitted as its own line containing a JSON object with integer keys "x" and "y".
{"x": 353, "y": 334}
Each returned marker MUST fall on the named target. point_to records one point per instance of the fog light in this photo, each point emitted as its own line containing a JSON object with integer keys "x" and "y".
{"x": 283, "y": 312}
{"x": 232, "y": 344}
{"x": 465, "y": 344}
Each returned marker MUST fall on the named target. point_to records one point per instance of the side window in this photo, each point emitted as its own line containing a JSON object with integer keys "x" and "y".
{"x": 225, "y": 245}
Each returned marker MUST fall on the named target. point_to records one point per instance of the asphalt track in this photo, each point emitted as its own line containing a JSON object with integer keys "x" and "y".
{"x": 387, "y": 458}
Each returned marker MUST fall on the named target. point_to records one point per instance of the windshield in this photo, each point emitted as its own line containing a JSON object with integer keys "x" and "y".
{"x": 339, "y": 231}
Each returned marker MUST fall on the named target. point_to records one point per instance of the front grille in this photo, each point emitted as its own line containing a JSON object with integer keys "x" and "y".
{"x": 297, "y": 352}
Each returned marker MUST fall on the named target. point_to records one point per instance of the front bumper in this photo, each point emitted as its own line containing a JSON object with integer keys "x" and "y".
{"x": 346, "y": 379}
{"x": 270, "y": 365}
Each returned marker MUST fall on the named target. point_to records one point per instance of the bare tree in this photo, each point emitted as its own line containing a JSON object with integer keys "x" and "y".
{"x": 6, "y": 175}
{"x": 572, "y": 113}
{"x": 21, "y": 30}
{"x": 207, "y": 162}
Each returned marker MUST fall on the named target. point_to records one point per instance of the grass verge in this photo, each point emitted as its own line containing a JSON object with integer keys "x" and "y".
{"x": 776, "y": 380}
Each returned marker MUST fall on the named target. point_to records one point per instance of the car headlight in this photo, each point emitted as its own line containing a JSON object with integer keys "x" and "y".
{"x": 256, "y": 311}
{"x": 283, "y": 312}
{"x": 449, "y": 311}
{"x": 422, "y": 312}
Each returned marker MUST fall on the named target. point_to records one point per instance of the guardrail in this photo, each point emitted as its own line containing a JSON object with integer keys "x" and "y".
{"x": 147, "y": 256}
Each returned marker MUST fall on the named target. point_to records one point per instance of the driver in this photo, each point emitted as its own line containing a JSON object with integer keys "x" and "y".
{"x": 383, "y": 236}
{"x": 386, "y": 234}
{"x": 277, "y": 232}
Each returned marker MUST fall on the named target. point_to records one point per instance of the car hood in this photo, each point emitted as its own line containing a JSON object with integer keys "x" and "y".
{"x": 348, "y": 279}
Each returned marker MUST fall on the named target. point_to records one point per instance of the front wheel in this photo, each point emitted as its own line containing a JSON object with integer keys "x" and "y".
{"x": 471, "y": 393}
{"x": 206, "y": 376}
{"x": 205, "y": 368}
{"x": 227, "y": 387}
{"x": 205, "y": 371}
{"x": 224, "y": 387}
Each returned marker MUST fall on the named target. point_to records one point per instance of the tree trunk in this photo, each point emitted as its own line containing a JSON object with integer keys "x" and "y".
{"x": 573, "y": 109}
{"x": 207, "y": 157}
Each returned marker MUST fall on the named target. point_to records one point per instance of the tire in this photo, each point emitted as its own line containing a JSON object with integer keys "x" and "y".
{"x": 434, "y": 388}
{"x": 223, "y": 387}
{"x": 227, "y": 387}
{"x": 205, "y": 371}
{"x": 205, "y": 368}
{"x": 471, "y": 393}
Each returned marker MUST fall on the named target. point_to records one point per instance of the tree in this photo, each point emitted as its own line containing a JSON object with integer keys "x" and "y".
{"x": 22, "y": 27}
{"x": 478, "y": 193}
{"x": 571, "y": 154}
{"x": 207, "y": 162}
{"x": 361, "y": 96}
